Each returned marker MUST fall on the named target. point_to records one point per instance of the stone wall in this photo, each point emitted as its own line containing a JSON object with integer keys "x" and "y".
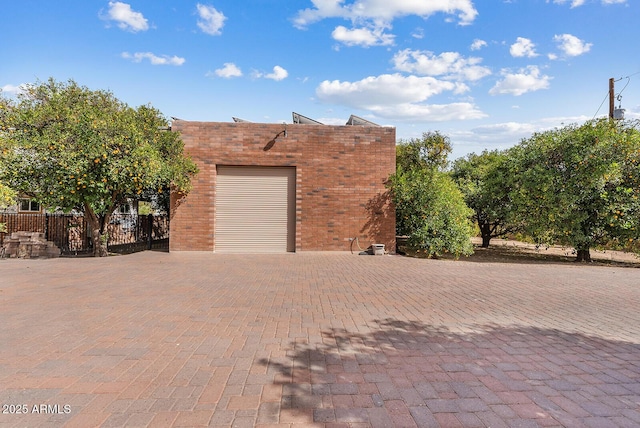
{"x": 29, "y": 245}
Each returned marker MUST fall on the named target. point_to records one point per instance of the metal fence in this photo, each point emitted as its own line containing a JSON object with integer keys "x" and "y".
{"x": 72, "y": 233}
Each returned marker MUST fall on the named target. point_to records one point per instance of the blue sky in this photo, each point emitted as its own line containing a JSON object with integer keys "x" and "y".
{"x": 487, "y": 74}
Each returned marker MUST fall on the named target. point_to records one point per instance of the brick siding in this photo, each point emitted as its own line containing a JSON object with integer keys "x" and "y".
{"x": 340, "y": 175}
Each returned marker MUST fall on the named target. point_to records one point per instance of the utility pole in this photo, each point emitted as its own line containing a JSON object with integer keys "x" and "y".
{"x": 612, "y": 97}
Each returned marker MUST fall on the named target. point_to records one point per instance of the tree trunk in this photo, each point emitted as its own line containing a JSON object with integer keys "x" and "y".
{"x": 99, "y": 247}
{"x": 583, "y": 256}
{"x": 485, "y": 232}
{"x": 99, "y": 243}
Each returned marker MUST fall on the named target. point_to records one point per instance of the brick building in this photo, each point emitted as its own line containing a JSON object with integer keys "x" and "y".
{"x": 285, "y": 187}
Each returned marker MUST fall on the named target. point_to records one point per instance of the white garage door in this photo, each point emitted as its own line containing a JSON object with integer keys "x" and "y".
{"x": 255, "y": 209}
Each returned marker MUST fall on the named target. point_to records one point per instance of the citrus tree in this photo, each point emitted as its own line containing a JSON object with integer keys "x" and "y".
{"x": 72, "y": 148}
{"x": 7, "y": 195}
{"x": 430, "y": 209}
{"x": 579, "y": 185}
{"x": 429, "y": 152}
{"x": 485, "y": 181}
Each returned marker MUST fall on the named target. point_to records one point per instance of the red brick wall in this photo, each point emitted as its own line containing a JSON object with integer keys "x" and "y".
{"x": 340, "y": 175}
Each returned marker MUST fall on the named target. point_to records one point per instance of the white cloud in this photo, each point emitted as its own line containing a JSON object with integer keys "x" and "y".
{"x": 498, "y": 136}
{"x": 451, "y": 65}
{"x": 362, "y": 36}
{"x": 228, "y": 71}
{"x": 13, "y": 90}
{"x": 383, "y": 10}
{"x": 154, "y": 59}
{"x": 126, "y": 17}
{"x": 429, "y": 112}
{"x": 515, "y": 131}
{"x": 523, "y": 47}
{"x": 371, "y": 18}
{"x": 526, "y": 80}
{"x": 211, "y": 20}
{"x": 507, "y": 129}
{"x": 571, "y": 45}
{"x": 576, "y": 3}
{"x": 278, "y": 74}
{"x": 505, "y": 134}
{"x": 632, "y": 113}
{"x": 418, "y": 33}
{"x": 478, "y": 44}
{"x": 398, "y": 97}
{"x": 380, "y": 90}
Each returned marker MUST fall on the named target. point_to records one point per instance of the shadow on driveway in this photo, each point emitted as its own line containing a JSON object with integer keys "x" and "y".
{"x": 409, "y": 373}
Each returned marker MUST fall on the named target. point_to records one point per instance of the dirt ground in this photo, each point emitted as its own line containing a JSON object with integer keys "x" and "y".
{"x": 508, "y": 251}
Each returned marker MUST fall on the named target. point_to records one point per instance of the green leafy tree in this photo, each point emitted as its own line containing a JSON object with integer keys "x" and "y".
{"x": 72, "y": 148}
{"x": 486, "y": 181}
{"x": 579, "y": 185}
{"x": 429, "y": 152}
{"x": 430, "y": 209}
{"x": 7, "y": 195}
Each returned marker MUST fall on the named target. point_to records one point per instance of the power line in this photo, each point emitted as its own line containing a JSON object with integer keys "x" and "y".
{"x": 607, "y": 95}
{"x": 605, "y": 99}
{"x": 631, "y": 75}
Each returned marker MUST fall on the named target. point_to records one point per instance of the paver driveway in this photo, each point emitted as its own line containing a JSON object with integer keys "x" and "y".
{"x": 316, "y": 339}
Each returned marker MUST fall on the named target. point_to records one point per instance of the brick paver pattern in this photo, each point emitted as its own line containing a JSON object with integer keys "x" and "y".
{"x": 316, "y": 339}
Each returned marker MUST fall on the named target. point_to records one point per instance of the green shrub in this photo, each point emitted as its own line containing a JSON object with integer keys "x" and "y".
{"x": 430, "y": 210}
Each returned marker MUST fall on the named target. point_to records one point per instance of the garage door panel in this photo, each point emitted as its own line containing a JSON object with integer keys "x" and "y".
{"x": 255, "y": 209}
